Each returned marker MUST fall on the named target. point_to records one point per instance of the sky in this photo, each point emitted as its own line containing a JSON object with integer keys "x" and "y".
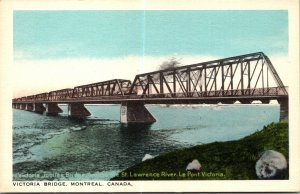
{"x": 60, "y": 49}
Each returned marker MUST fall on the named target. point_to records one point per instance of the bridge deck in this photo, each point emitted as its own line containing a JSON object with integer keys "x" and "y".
{"x": 164, "y": 99}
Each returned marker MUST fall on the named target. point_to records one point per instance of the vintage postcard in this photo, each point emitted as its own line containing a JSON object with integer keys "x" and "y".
{"x": 149, "y": 96}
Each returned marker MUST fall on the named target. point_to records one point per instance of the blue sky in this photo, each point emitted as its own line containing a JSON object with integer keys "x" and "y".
{"x": 81, "y": 47}
{"x": 98, "y": 34}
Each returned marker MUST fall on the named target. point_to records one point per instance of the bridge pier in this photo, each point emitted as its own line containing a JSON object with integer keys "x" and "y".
{"x": 78, "y": 110}
{"x": 38, "y": 108}
{"x": 29, "y": 106}
{"x": 135, "y": 112}
{"x": 284, "y": 109}
{"x": 52, "y": 109}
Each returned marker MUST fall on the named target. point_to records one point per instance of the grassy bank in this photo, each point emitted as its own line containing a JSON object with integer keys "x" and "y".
{"x": 230, "y": 160}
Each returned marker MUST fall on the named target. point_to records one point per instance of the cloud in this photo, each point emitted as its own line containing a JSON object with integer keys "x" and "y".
{"x": 44, "y": 75}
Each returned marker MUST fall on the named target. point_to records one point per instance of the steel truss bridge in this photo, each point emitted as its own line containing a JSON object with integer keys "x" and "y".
{"x": 244, "y": 78}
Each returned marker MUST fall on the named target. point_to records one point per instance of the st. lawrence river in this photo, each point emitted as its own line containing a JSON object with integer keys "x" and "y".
{"x": 58, "y": 148}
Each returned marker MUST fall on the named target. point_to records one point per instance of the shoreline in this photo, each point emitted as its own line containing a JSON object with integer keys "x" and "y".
{"x": 230, "y": 160}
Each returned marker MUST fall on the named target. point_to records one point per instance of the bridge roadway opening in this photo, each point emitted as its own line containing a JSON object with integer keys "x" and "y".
{"x": 244, "y": 78}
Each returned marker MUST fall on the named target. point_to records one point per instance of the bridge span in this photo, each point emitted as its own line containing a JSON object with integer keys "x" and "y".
{"x": 245, "y": 78}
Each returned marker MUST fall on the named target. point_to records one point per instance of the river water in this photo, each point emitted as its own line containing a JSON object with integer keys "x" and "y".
{"x": 58, "y": 148}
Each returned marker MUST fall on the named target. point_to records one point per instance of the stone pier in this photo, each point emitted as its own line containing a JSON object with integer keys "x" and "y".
{"x": 52, "y": 109}
{"x": 135, "y": 112}
{"x": 284, "y": 108}
{"x": 78, "y": 111}
{"x": 38, "y": 108}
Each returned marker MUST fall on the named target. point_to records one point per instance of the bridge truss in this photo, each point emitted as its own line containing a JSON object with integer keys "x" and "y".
{"x": 107, "y": 88}
{"x": 245, "y": 75}
{"x": 251, "y": 75}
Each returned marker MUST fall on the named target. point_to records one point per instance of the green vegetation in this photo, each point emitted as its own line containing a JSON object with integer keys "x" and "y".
{"x": 232, "y": 160}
